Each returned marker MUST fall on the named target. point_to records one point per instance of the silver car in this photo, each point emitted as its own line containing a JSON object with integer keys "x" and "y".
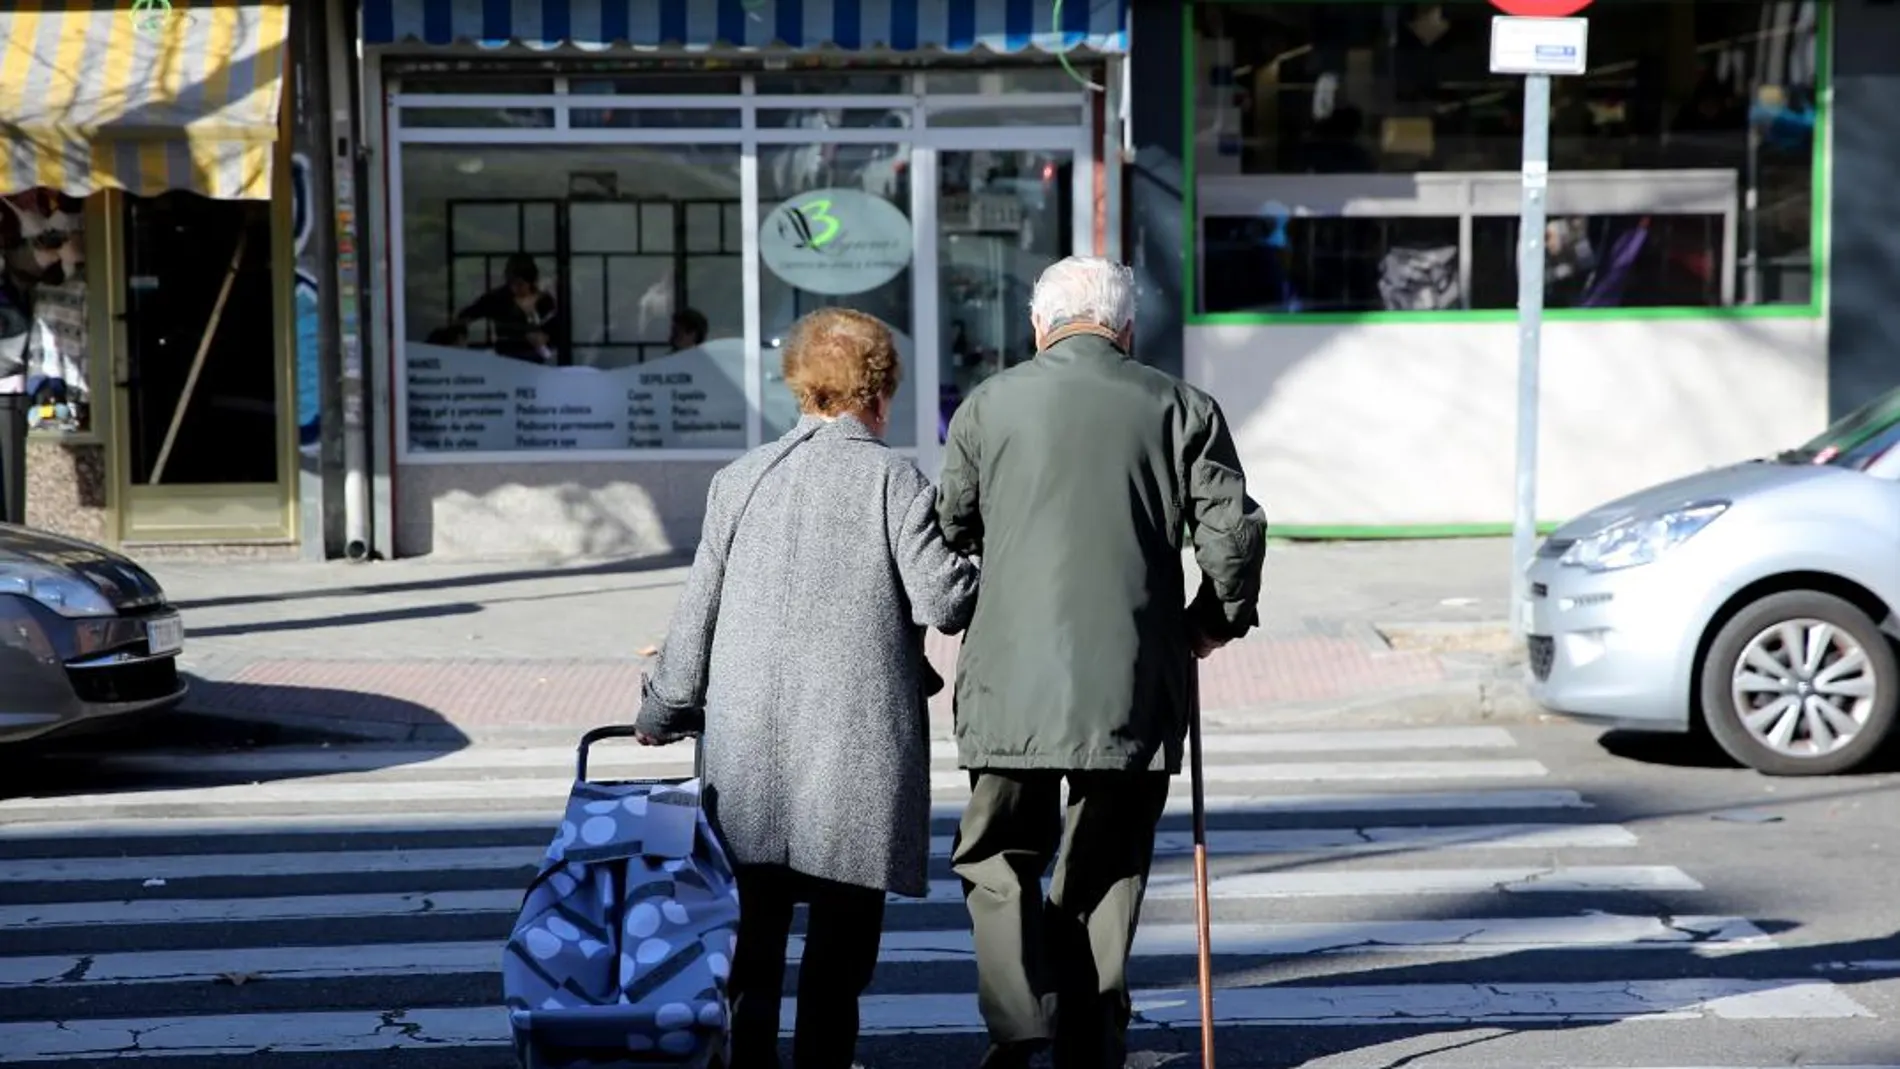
{"x": 1756, "y": 601}
{"x": 86, "y": 637}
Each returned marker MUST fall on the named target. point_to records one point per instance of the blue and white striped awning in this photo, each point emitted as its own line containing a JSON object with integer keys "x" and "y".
{"x": 1098, "y": 26}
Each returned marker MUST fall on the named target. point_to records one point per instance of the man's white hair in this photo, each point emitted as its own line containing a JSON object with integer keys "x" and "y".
{"x": 1084, "y": 289}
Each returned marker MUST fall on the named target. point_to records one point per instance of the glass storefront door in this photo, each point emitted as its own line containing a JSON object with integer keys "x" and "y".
{"x": 202, "y": 378}
{"x": 836, "y": 230}
{"x": 1003, "y": 215}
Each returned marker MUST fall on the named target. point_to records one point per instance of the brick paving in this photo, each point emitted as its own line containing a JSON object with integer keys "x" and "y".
{"x": 481, "y": 648}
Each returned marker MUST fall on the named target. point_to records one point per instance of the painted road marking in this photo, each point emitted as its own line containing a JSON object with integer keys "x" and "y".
{"x": 1466, "y": 938}
{"x": 510, "y": 858}
{"x": 605, "y": 757}
{"x": 1272, "y": 885}
{"x": 22, "y": 826}
{"x": 1300, "y": 1007}
{"x": 952, "y": 783}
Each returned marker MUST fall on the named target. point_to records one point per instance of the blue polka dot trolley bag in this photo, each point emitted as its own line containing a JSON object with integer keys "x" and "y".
{"x": 622, "y": 951}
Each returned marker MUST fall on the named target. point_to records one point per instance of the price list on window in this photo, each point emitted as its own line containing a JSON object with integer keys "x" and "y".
{"x": 479, "y": 403}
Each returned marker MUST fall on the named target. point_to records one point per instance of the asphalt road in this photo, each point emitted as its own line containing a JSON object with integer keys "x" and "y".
{"x": 1522, "y": 895}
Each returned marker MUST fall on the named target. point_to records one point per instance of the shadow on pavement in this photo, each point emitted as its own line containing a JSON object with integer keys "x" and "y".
{"x": 349, "y": 619}
{"x": 1692, "y": 750}
{"x": 1698, "y": 750}
{"x": 156, "y": 751}
{"x": 474, "y": 579}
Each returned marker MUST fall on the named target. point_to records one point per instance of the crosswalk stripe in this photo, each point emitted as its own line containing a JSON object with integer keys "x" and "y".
{"x": 1305, "y": 1007}
{"x": 318, "y": 792}
{"x": 230, "y": 802}
{"x": 510, "y": 858}
{"x": 24, "y": 826}
{"x": 1470, "y": 938}
{"x": 1353, "y": 883}
{"x": 609, "y": 756}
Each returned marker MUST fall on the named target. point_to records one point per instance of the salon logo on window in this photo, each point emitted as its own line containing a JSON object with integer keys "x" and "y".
{"x": 836, "y": 241}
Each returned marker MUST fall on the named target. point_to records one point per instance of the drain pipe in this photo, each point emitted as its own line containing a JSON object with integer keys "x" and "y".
{"x": 349, "y": 334}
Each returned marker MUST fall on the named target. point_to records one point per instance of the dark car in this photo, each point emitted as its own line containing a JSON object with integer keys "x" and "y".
{"x": 84, "y": 634}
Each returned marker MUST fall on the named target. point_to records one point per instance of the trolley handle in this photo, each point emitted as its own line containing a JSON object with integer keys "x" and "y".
{"x": 611, "y": 731}
{"x": 628, "y": 731}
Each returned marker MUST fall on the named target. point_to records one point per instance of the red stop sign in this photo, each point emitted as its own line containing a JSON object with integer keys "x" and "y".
{"x": 1540, "y": 9}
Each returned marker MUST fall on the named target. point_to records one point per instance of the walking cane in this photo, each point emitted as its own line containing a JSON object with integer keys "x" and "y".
{"x": 1205, "y": 934}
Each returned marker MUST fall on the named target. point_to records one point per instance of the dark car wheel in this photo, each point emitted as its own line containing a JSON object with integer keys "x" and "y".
{"x": 1800, "y": 684}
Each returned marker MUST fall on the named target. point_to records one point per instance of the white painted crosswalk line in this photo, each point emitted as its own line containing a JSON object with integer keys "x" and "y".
{"x": 1279, "y": 795}
{"x": 610, "y": 758}
{"x": 416, "y": 815}
{"x": 1351, "y": 883}
{"x": 1290, "y": 1006}
{"x": 511, "y": 858}
{"x": 409, "y": 792}
{"x": 1466, "y": 938}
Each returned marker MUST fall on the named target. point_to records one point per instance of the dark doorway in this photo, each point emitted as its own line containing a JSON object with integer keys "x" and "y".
{"x": 180, "y": 249}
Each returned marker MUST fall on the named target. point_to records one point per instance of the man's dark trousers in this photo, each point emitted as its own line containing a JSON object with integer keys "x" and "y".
{"x": 1057, "y": 970}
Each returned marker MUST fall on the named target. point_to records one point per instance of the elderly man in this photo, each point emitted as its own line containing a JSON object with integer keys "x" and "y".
{"x": 1075, "y": 476}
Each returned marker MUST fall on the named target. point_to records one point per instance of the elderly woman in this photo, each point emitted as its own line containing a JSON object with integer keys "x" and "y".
{"x": 797, "y": 649}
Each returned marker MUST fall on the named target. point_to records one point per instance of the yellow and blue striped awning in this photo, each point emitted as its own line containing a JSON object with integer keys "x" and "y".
{"x": 141, "y": 95}
{"x": 956, "y": 26}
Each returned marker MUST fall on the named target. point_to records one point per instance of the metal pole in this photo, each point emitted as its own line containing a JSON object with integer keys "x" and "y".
{"x": 1530, "y": 323}
{"x": 348, "y": 307}
{"x": 13, "y": 410}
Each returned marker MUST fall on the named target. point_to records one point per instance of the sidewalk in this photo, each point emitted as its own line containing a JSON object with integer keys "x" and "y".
{"x": 443, "y": 650}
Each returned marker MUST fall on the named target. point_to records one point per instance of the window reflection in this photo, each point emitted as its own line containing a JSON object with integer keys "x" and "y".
{"x": 865, "y": 191}
{"x": 1003, "y": 217}
{"x": 528, "y": 272}
{"x": 1718, "y": 88}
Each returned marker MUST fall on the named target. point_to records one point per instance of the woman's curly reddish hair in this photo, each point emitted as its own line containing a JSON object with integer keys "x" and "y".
{"x": 841, "y": 360}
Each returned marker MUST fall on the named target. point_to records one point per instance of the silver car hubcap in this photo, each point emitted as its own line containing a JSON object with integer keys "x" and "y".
{"x": 1803, "y": 688}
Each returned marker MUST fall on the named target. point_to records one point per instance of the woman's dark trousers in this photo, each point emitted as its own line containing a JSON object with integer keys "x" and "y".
{"x": 843, "y": 927}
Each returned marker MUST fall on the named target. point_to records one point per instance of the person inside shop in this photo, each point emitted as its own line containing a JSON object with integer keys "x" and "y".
{"x": 518, "y": 312}
{"x": 689, "y": 329}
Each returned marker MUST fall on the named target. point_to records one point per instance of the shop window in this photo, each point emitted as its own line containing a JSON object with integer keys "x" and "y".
{"x": 995, "y": 81}
{"x": 1330, "y": 265}
{"x": 833, "y": 118}
{"x": 1005, "y": 116}
{"x": 656, "y": 85}
{"x": 809, "y": 194}
{"x": 478, "y": 118}
{"x": 833, "y": 82}
{"x": 487, "y": 83}
{"x": 572, "y": 299}
{"x": 657, "y": 118}
{"x": 1606, "y": 261}
{"x": 44, "y": 347}
{"x": 1682, "y": 163}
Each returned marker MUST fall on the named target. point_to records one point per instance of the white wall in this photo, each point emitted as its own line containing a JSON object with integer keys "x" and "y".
{"x": 550, "y": 510}
{"x": 1412, "y": 423}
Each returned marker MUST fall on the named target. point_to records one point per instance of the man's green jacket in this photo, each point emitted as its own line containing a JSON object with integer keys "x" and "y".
{"x": 1075, "y": 476}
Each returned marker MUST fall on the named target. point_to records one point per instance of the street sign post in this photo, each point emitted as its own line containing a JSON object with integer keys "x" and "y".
{"x": 1536, "y": 48}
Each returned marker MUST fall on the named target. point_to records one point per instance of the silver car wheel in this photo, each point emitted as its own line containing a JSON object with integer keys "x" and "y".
{"x": 1803, "y": 687}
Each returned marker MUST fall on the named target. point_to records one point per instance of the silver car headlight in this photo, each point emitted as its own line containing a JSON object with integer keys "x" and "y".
{"x": 57, "y": 589}
{"x": 1640, "y": 539}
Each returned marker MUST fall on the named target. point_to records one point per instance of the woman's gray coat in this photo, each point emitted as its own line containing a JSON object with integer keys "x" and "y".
{"x": 809, "y": 665}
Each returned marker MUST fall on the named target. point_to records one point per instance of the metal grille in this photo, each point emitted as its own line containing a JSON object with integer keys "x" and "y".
{"x": 1543, "y": 651}
{"x": 136, "y": 681}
